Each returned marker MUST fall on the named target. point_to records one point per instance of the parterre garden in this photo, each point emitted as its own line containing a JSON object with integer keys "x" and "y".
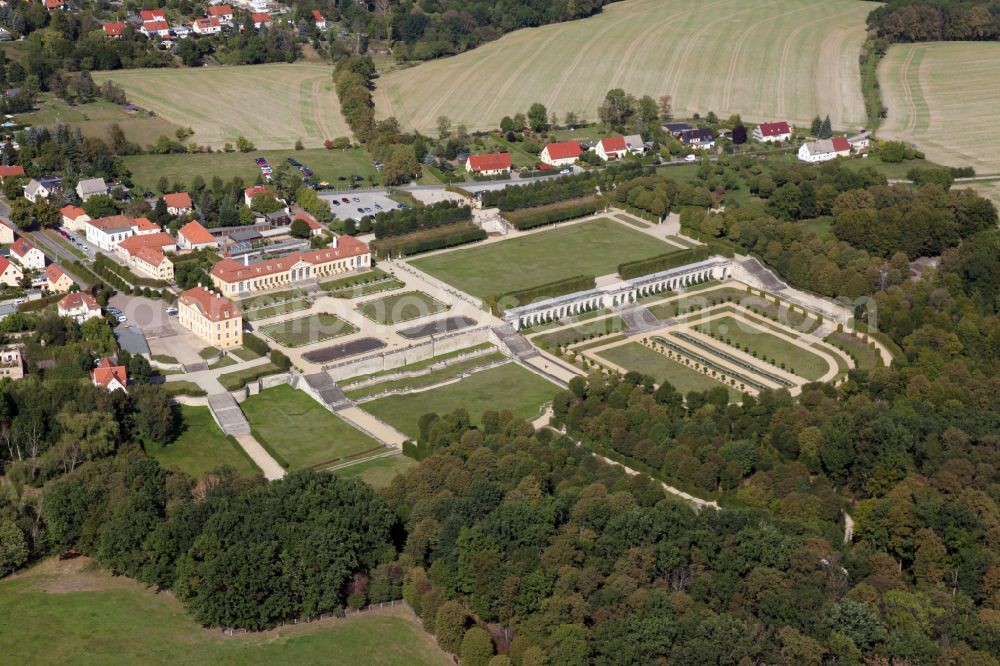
{"x": 398, "y": 308}
{"x": 308, "y": 329}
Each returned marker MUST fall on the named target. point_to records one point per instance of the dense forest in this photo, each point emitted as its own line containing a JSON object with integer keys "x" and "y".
{"x": 936, "y": 20}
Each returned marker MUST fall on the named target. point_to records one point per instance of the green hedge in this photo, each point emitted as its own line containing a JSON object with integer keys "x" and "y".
{"x": 102, "y": 262}
{"x": 525, "y": 219}
{"x": 425, "y": 241}
{"x": 39, "y": 304}
{"x": 255, "y": 344}
{"x": 541, "y": 292}
{"x": 662, "y": 262}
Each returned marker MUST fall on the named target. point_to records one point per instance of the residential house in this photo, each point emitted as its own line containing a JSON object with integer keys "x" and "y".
{"x": 315, "y": 228}
{"x": 178, "y": 203}
{"x": 10, "y": 273}
{"x": 52, "y": 5}
{"x": 612, "y": 148}
{"x": 346, "y": 254}
{"x": 318, "y": 20}
{"x": 635, "y": 144}
{"x": 181, "y": 31}
{"x": 91, "y": 187}
{"x": 155, "y": 29}
{"x": 16, "y": 170}
{"x": 250, "y": 192}
{"x": 675, "y": 129}
{"x": 207, "y": 26}
{"x": 114, "y": 30}
{"x": 148, "y": 15}
{"x": 56, "y": 281}
{"x": 193, "y": 236}
{"x": 43, "y": 188}
{"x": 107, "y": 232}
{"x": 702, "y": 138}
{"x": 860, "y": 141}
{"x": 7, "y": 231}
{"x": 772, "y": 132}
{"x": 261, "y": 20}
{"x": 492, "y": 164}
{"x": 110, "y": 377}
{"x": 214, "y": 319}
{"x": 221, "y": 13}
{"x": 29, "y": 256}
{"x": 80, "y": 306}
{"x": 561, "y": 154}
{"x": 12, "y": 362}
{"x": 824, "y": 149}
{"x": 145, "y": 253}
{"x": 74, "y": 218}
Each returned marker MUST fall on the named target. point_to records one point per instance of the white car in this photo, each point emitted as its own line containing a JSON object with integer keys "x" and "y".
{"x": 121, "y": 319}
{"x": 566, "y": 171}
{"x": 691, "y": 158}
{"x": 172, "y": 311}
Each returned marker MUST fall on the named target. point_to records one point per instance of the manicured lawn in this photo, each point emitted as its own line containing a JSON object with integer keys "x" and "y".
{"x": 368, "y": 289}
{"x": 866, "y": 357}
{"x": 436, "y": 377}
{"x": 378, "y": 473}
{"x": 236, "y": 380}
{"x": 582, "y": 331}
{"x": 275, "y": 310}
{"x": 202, "y": 446}
{"x": 327, "y": 164}
{"x": 506, "y": 387}
{"x": 398, "y": 308}
{"x": 224, "y": 362}
{"x": 590, "y": 248}
{"x": 767, "y": 346}
{"x": 300, "y": 430}
{"x": 360, "y": 278}
{"x": 309, "y": 329}
{"x": 73, "y": 612}
{"x": 634, "y": 356}
{"x": 244, "y": 354}
{"x": 183, "y": 387}
{"x": 208, "y": 352}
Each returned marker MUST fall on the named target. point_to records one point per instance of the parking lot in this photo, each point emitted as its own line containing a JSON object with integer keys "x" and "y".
{"x": 164, "y": 334}
{"x": 369, "y": 200}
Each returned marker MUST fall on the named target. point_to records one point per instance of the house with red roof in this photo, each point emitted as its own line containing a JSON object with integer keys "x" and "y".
{"x": 16, "y": 170}
{"x": 207, "y": 26}
{"x": 10, "y": 273}
{"x": 193, "y": 236}
{"x": 54, "y": 4}
{"x": 221, "y": 12}
{"x": 74, "y": 218}
{"x": 210, "y": 316}
{"x": 772, "y": 132}
{"x": 611, "y": 148}
{"x": 147, "y": 15}
{"x": 491, "y": 164}
{"x": 318, "y": 20}
{"x": 561, "y": 154}
{"x": 235, "y": 279}
{"x": 250, "y": 192}
{"x": 315, "y": 228}
{"x": 178, "y": 203}
{"x": 824, "y": 150}
{"x": 155, "y": 29}
{"x": 56, "y": 281}
{"x": 261, "y": 20}
{"x": 29, "y": 256}
{"x": 146, "y": 253}
{"x": 80, "y": 306}
{"x": 114, "y": 30}
{"x": 110, "y": 377}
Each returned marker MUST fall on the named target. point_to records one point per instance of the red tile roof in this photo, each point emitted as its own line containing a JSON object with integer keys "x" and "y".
{"x": 77, "y": 300}
{"x": 151, "y": 255}
{"x": 21, "y": 247}
{"x": 211, "y": 306}
{"x": 220, "y": 10}
{"x": 774, "y": 129}
{"x": 54, "y": 4}
{"x": 133, "y": 244}
{"x": 152, "y": 15}
{"x": 564, "y": 150}
{"x": 104, "y": 373}
{"x": 614, "y": 144}
{"x": 156, "y": 26}
{"x": 196, "y": 234}
{"x": 72, "y": 212}
{"x": 230, "y": 270}
{"x": 201, "y": 24}
{"x": 143, "y": 224}
{"x": 112, "y": 222}
{"x": 179, "y": 199}
{"x": 489, "y": 162}
{"x": 261, "y": 17}
{"x": 53, "y": 273}
{"x": 309, "y": 219}
{"x": 4, "y": 265}
{"x": 251, "y": 192}
{"x": 114, "y": 29}
{"x": 840, "y": 143}
{"x": 16, "y": 170}
{"x": 318, "y": 16}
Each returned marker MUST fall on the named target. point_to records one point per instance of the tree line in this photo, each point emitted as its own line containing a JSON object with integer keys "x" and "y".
{"x": 936, "y": 20}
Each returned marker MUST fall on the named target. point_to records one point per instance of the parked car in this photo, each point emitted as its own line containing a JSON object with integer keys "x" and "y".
{"x": 172, "y": 311}
{"x": 691, "y": 158}
{"x": 341, "y": 177}
{"x": 358, "y": 179}
{"x": 260, "y": 161}
{"x": 360, "y": 209}
{"x": 334, "y": 202}
{"x": 565, "y": 171}
{"x": 356, "y": 200}
{"x": 121, "y": 319}
{"x": 294, "y": 162}
{"x": 346, "y": 200}
{"x": 114, "y": 311}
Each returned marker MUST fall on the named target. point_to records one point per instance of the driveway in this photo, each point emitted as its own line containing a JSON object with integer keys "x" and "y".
{"x": 164, "y": 334}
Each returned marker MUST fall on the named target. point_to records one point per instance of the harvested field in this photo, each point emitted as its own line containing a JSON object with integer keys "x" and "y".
{"x": 934, "y": 89}
{"x": 787, "y": 59}
{"x": 272, "y": 105}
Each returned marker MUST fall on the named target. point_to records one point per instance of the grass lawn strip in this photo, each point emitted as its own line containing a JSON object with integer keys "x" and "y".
{"x": 244, "y": 354}
{"x": 369, "y": 289}
{"x": 74, "y": 612}
{"x": 581, "y": 332}
{"x": 379, "y": 472}
{"x": 374, "y": 275}
{"x": 232, "y": 381}
{"x": 398, "y": 308}
{"x": 275, "y": 310}
{"x": 865, "y": 357}
{"x": 300, "y": 430}
{"x": 507, "y": 386}
{"x": 183, "y": 387}
{"x": 635, "y": 356}
{"x": 201, "y": 446}
{"x": 308, "y": 330}
{"x": 587, "y": 248}
{"x": 208, "y": 352}
{"x": 430, "y": 379}
{"x": 419, "y": 365}
{"x": 765, "y": 346}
